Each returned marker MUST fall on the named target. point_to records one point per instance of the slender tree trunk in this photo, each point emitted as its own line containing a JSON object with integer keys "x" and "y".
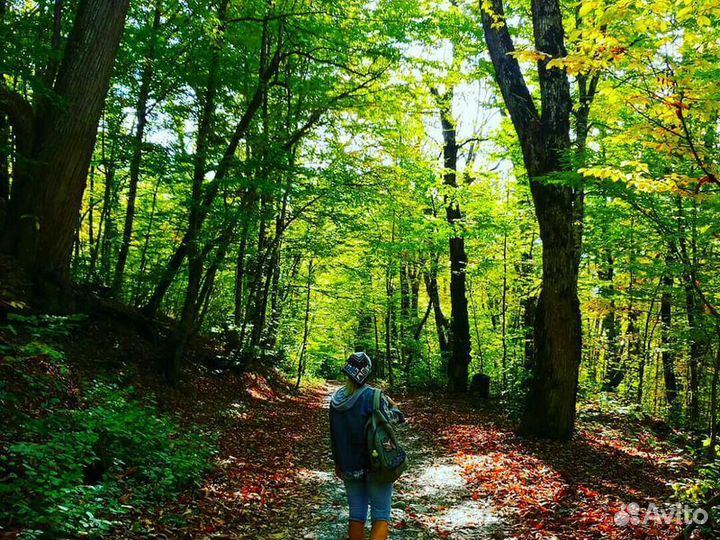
{"x": 5, "y": 143}
{"x": 255, "y": 313}
{"x": 697, "y": 351}
{"x": 667, "y": 355}
{"x": 503, "y": 307}
{"x": 223, "y": 243}
{"x": 306, "y": 326}
{"x": 714, "y": 405}
{"x": 146, "y": 243}
{"x": 646, "y": 342}
{"x": 475, "y": 316}
{"x": 414, "y": 277}
{"x": 441, "y": 322}
{"x": 377, "y": 335}
{"x": 632, "y": 333}
{"x": 258, "y": 311}
{"x": 91, "y": 218}
{"x": 276, "y": 267}
{"x": 409, "y": 291}
{"x": 264, "y": 297}
{"x": 698, "y": 338}
{"x": 50, "y": 70}
{"x": 136, "y": 159}
{"x": 528, "y": 305}
{"x": 5, "y": 149}
{"x": 195, "y": 261}
{"x": 390, "y": 311}
{"x": 240, "y": 276}
{"x": 173, "y": 265}
{"x": 459, "y": 336}
{"x": 614, "y": 369}
{"x": 404, "y": 318}
{"x": 107, "y": 223}
{"x": 389, "y": 323}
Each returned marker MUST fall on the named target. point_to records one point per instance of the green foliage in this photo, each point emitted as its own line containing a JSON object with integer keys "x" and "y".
{"x": 82, "y": 460}
{"x": 703, "y": 487}
{"x": 44, "y": 325}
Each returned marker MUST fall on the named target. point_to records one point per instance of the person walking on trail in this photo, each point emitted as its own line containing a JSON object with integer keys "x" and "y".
{"x": 350, "y": 408}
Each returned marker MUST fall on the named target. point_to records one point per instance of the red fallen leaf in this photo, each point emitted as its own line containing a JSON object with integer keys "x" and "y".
{"x": 401, "y": 524}
{"x": 475, "y": 496}
{"x": 587, "y": 492}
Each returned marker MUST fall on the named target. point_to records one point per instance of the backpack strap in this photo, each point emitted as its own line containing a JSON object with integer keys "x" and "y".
{"x": 376, "y": 399}
{"x": 376, "y": 409}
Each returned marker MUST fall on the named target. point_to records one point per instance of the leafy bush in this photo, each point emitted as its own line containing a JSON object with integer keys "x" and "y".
{"x": 74, "y": 471}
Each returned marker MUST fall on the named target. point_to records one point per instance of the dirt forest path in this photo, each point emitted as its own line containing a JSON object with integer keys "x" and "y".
{"x": 431, "y": 499}
{"x": 275, "y": 478}
{"x": 470, "y": 475}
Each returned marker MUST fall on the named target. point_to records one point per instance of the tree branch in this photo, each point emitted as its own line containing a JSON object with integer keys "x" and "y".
{"x": 508, "y": 76}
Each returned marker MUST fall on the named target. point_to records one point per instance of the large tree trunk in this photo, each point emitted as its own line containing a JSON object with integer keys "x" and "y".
{"x": 545, "y": 143}
{"x": 550, "y": 409}
{"x": 55, "y": 147}
{"x": 135, "y": 161}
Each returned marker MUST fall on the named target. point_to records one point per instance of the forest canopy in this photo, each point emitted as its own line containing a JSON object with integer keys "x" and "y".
{"x": 519, "y": 194}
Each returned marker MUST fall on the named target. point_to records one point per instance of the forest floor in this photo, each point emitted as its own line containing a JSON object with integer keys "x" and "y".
{"x": 471, "y": 476}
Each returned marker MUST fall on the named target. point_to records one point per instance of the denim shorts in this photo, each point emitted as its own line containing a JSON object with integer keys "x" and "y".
{"x": 365, "y": 492}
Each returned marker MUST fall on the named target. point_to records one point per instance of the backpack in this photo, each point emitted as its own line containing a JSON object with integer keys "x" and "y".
{"x": 387, "y": 459}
